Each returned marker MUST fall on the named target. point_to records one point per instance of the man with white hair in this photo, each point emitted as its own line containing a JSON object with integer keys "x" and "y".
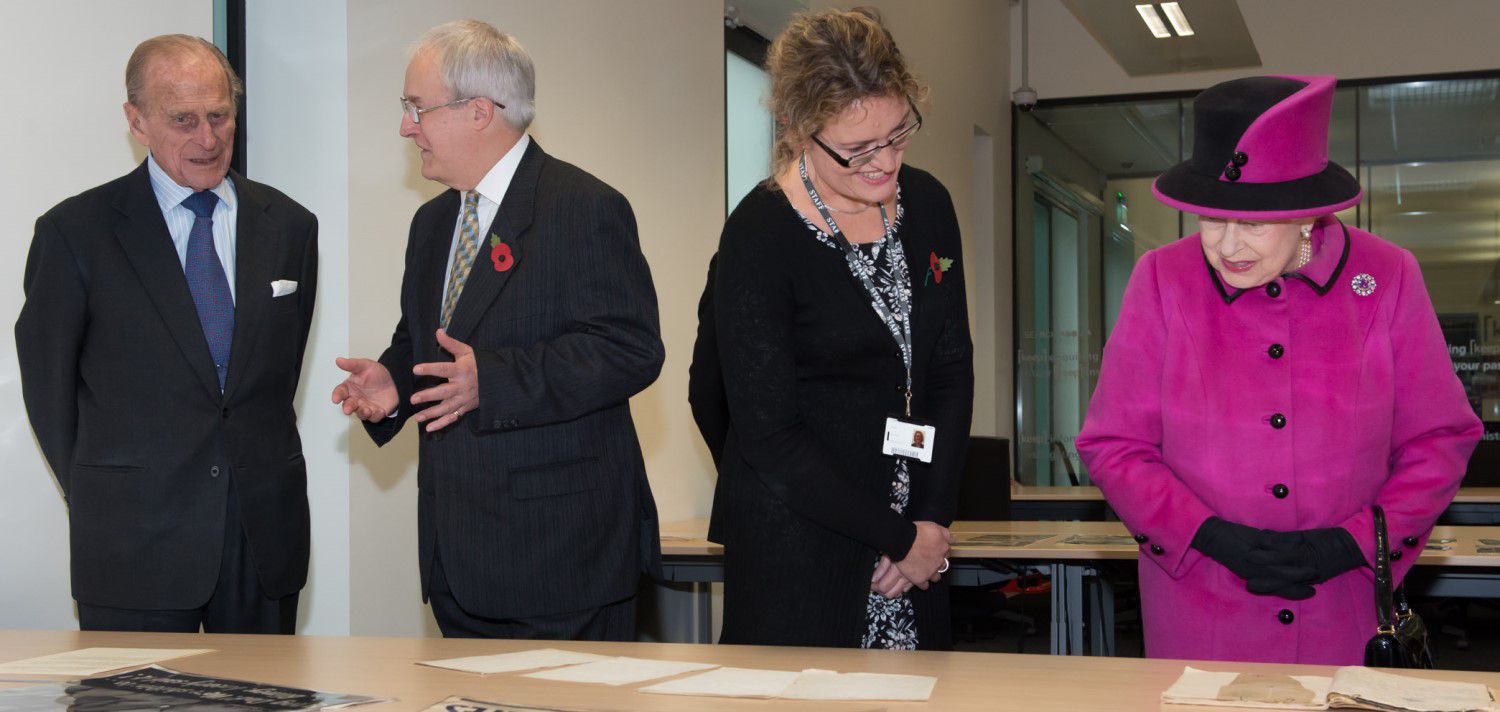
{"x": 528, "y": 320}
{"x": 160, "y": 345}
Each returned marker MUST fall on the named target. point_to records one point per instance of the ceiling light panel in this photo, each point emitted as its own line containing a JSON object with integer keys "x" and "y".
{"x": 1177, "y": 18}
{"x": 1153, "y": 21}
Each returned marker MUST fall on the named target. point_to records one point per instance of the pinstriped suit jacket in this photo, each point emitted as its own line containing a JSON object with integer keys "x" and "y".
{"x": 538, "y": 499}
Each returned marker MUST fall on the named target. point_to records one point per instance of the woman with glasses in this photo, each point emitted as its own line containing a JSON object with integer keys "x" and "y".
{"x": 835, "y": 329}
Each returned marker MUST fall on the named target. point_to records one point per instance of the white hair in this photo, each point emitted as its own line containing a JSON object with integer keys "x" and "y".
{"x": 477, "y": 60}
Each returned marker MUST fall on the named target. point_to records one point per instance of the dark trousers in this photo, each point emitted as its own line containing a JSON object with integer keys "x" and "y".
{"x": 238, "y": 605}
{"x": 615, "y": 621}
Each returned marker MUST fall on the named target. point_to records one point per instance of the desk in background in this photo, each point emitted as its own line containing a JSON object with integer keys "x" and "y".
{"x": 1473, "y": 505}
{"x": 1082, "y": 602}
{"x": 385, "y": 667}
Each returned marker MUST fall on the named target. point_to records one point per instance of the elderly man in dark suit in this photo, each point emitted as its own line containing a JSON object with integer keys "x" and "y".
{"x": 528, "y": 320}
{"x": 160, "y": 345}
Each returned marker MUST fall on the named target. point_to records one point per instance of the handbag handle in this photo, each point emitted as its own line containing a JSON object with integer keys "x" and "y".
{"x": 1383, "y": 600}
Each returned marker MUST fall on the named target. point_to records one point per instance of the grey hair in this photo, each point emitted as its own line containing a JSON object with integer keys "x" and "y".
{"x": 475, "y": 59}
{"x": 174, "y": 46}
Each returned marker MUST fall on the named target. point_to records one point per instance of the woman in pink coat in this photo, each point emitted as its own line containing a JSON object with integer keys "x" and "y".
{"x": 1269, "y": 379}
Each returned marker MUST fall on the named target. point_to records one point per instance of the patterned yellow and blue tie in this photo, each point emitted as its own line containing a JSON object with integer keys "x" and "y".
{"x": 463, "y": 258}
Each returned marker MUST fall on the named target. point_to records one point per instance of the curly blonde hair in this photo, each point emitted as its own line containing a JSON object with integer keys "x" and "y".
{"x": 821, "y": 64}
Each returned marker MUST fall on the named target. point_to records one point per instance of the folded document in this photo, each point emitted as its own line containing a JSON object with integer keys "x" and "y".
{"x": 1358, "y": 688}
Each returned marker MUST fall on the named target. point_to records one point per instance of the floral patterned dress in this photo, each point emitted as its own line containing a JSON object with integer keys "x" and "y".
{"x": 890, "y": 622}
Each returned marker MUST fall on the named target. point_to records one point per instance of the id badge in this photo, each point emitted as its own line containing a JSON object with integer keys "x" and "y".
{"x": 904, "y": 438}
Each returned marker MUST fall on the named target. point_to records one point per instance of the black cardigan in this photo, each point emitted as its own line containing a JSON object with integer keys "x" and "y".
{"x": 796, "y": 393}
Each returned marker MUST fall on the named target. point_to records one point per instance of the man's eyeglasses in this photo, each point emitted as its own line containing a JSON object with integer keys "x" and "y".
{"x": 898, "y": 142}
{"x": 411, "y": 109}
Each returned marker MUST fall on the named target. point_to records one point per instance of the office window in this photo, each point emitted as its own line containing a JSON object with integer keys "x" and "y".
{"x": 747, "y": 123}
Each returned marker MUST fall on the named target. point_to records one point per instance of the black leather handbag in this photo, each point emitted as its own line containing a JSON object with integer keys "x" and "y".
{"x": 1400, "y": 636}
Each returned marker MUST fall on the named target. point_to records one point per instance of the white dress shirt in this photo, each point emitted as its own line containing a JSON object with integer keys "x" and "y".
{"x": 169, "y": 197}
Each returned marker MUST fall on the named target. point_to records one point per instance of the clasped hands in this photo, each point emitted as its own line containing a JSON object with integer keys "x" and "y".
{"x": 369, "y": 393}
{"x": 1275, "y": 563}
{"x": 924, "y": 562}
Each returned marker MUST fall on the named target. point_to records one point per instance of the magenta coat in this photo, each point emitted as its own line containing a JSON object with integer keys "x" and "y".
{"x": 1295, "y": 405}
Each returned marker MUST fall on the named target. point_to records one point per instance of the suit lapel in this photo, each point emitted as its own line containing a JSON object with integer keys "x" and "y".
{"x": 254, "y": 263}
{"x": 148, "y": 246}
{"x": 514, "y": 217}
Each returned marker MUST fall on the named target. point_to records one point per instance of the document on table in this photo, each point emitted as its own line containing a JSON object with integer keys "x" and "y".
{"x": 1002, "y": 539}
{"x": 92, "y": 661}
{"x": 1100, "y": 540}
{"x": 515, "y": 662}
{"x": 620, "y": 671}
{"x": 830, "y": 685}
{"x": 464, "y": 704}
{"x": 1363, "y": 688}
{"x": 1233, "y": 689}
{"x": 157, "y": 688}
{"x": 1350, "y": 688}
{"x": 728, "y": 682}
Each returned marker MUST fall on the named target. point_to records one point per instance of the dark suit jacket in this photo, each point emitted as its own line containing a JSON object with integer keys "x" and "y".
{"x": 123, "y": 397}
{"x": 538, "y": 499}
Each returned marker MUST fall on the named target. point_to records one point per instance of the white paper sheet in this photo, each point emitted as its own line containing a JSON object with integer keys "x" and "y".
{"x": 829, "y": 685}
{"x": 728, "y": 682}
{"x": 620, "y": 671}
{"x": 515, "y": 662}
{"x": 92, "y": 661}
{"x": 1201, "y": 687}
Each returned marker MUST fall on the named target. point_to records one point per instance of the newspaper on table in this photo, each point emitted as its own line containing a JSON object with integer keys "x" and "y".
{"x": 159, "y": 688}
{"x": 1352, "y": 687}
{"x": 1099, "y": 540}
{"x": 1006, "y": 540}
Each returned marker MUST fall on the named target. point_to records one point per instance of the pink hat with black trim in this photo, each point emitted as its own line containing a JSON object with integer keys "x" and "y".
{"x": 1260, "y": 151}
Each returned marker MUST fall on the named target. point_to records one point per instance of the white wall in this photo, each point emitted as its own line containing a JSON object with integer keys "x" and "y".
{"x": 65, "y": 82}
{"x": 296, "y": 68}
{"x": 1351, "y": 39}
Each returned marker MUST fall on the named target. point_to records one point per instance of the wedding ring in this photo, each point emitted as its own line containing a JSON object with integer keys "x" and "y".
{"x": 944, "y": 570}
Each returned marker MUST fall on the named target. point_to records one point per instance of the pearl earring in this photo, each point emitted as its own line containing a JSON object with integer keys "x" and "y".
{"x": 1304, "y": 247}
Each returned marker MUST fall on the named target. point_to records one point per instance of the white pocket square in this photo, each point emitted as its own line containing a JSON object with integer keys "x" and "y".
{"x": 282, "y": 287}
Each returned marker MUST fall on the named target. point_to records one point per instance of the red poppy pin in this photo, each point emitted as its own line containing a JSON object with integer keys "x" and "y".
{"x": 936, "y": 266}
{"x": 500, "y": 254}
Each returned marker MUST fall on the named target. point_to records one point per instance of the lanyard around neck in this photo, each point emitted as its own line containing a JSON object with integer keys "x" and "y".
{"x": 898, "y": 322}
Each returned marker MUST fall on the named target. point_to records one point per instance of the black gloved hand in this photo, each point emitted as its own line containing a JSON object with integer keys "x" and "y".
{"x": 1309, "y": 555}
{"x": 1234, "y": 545}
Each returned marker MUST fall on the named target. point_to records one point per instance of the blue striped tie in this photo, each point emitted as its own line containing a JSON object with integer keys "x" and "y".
{"x": 206, "y": 280}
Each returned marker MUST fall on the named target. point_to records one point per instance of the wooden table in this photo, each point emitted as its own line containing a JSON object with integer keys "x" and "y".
{"x": 1078, "y": 594}
{"x": 385, "y": 667}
